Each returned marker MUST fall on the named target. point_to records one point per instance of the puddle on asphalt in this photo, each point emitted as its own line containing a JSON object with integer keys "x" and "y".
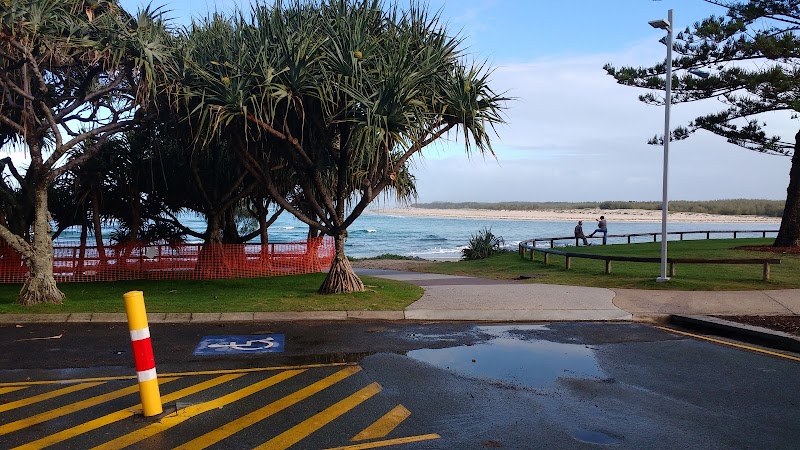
{"x": 595, "y": 437}
{"x": 509, "y": 359}
{"x": 435, "y": 337}
{"x": 505, "y": 330}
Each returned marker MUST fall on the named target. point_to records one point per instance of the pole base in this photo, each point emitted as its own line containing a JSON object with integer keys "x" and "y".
{"x": 662, "y": 279}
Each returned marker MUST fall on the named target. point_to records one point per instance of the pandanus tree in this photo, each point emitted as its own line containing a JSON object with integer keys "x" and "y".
{"x": 749, "y": 60}
{"x": 70, "y": 71}
{"x": 16, "y": 201}
{"x": 340, "y": 94}
{"x": 201, "y": 177}
{"x": 210, "y": 182}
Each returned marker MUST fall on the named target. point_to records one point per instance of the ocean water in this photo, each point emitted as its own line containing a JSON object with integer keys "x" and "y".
{"x": 444, "y": 238}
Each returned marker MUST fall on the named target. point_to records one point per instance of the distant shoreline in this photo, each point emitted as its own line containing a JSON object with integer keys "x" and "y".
{"x": 570, "y": 215}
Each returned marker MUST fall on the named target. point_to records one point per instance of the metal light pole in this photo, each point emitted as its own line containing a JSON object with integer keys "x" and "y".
{"x": 665, "y": 25}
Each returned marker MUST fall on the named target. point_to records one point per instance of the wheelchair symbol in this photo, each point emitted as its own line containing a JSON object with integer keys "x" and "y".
{"x": 250, "y": 345}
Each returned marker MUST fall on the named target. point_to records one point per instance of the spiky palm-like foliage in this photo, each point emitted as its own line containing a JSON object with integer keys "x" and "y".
{"x": 482, "y": 244}
{"x": 70, "y": 71}
{"x": 338, "y": 94}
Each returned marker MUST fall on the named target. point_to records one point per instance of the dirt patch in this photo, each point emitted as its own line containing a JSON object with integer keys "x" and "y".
{"x": 770, "y": 249}
{"x": 786, "y": 324}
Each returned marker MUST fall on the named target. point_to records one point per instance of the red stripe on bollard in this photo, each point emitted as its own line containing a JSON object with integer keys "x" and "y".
{"x": 143, "y": 355}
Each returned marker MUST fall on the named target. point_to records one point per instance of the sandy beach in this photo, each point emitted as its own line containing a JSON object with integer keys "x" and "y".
{"x": 587, "y": 215}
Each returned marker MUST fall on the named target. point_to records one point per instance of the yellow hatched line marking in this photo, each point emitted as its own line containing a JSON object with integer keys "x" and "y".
{"x": 45, "y": 396}
{"x": 260, "y": 414}
{"x": 303, "y": 429}
{"x": 11, "y": 389}
{"x": 177, "y": 374}
{"x": 67, "y": 409}
{"x": 191, "y": 411}
{"x": 398, "y": 441}
{"x": 258, "y": 369}
{"x": 74, "y": 380}
{"x": 383, "y": 426}
{"x": 123, "y": 414}
{"x": 731, "y": 344}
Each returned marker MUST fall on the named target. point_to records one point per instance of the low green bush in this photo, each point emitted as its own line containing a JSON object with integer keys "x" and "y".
{"x": 482, "y": 245}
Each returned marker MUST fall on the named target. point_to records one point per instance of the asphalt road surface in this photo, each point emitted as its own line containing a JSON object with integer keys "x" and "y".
{"x": 359, "y": 385}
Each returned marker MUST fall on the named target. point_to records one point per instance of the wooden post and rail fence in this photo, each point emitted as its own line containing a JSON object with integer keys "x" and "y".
{"x": 531, "y": 247}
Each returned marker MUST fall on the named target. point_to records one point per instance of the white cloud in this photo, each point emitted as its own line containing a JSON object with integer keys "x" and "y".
{"x": 574, "y": 134}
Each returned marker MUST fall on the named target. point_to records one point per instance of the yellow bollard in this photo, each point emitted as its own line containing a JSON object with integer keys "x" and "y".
{"x": 143, "y": 353}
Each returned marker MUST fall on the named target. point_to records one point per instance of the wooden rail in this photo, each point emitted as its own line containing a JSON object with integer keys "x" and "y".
{"x": 531, "y": 246}
{"x": 655, "y": 236}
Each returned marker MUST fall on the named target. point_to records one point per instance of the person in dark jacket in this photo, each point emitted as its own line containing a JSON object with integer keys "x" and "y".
{"x": 579, "y": 233}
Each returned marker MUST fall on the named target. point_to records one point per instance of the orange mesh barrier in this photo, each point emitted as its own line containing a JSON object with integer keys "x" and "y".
{"x": 180, "y": 262}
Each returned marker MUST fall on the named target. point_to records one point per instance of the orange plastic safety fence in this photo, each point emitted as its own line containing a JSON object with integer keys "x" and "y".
{"x": 179, "y": 262}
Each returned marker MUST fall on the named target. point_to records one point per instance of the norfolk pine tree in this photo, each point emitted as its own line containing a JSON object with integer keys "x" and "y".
{"x": 749, "y": 60}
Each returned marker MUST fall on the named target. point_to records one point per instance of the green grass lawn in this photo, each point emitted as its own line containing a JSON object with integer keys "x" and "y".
{"x": 299, "y": 292}
{"x": 586, "y": 272}
{"x": 287, "y": 293}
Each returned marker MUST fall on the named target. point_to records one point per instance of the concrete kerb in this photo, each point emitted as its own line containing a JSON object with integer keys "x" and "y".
{"x": 740, "y": 332}
{"x": 457, "y": 298}
{"x": 231, "y": 317}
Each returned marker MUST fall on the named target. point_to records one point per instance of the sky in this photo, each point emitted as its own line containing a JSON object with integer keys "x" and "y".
{"x": 572, "y": 133}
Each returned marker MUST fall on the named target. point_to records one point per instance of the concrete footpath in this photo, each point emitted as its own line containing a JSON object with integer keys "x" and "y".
{"x": 450, "y": 297}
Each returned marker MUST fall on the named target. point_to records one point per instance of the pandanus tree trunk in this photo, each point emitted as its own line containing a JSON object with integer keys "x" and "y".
{"x": 211, "y": 262}
{"x": 235, "y": 253}
{"x": 266, "y": 263}
{"x": 40, "y": 287}
{"x": 82, "y": 249}
{"x": 789, "y": 233}
{"x": 341, "y": 278}
{"x": 97, "y": 222}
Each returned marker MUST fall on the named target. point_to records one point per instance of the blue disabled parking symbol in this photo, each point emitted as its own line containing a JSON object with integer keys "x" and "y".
{"x": 227, "y": 345}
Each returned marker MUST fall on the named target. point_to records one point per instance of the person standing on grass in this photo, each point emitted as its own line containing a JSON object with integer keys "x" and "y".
{"x": 602, "y": 227}
{"x": 579, "y": 233}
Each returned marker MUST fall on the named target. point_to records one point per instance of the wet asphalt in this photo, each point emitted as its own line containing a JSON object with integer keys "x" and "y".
{"x": 475, "y": 385}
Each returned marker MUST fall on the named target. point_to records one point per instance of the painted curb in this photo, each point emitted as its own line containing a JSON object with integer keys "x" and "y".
{"x": 741, "y": 332}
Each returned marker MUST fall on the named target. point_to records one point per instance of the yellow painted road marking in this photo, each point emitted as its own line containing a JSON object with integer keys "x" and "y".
{"x": 123, "y": 414}
{"x": 191, "y": 411}
{"x": 303, "y": 429}
{"x": 6, "y": 390}
{"x": 383, "y": 426}
{"x": 259, "y": 369}
{"x": 45, "y": 396}
{"x": 260, "y": 414}
{"x": 176, "y": 374}
{"x": 74, "y": 380}
{"x": 732, "y": 344}
{"x": 398, "y": 441}
{"x": 71, "y": 408}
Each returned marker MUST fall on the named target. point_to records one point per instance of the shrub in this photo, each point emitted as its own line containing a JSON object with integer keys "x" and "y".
{"x": 482, "y": 245}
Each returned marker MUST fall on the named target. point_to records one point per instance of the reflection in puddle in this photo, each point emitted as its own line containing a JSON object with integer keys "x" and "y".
{"x": 535, "y": 364}
{"x": 504, "y": 330}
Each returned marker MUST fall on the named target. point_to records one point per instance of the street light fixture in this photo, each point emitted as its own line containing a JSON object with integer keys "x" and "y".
{"x": 665, "y": 24}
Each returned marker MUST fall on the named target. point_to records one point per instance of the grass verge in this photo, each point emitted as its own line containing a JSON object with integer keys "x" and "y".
{"x": 288, "y": 293}
{"x": 690, "y": 277}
